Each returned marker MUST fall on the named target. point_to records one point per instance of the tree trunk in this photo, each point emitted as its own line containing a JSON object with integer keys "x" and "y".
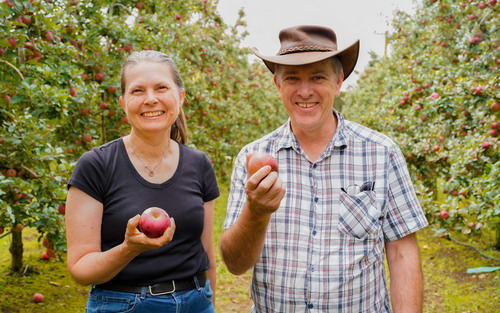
{"x": 497, "y": 244}
{"x": 16, "y": 251}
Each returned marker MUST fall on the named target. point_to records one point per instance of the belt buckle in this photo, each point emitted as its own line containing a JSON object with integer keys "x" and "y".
{"x": 162, "y": 293}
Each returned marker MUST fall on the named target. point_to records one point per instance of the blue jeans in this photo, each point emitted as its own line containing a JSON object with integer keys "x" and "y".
{"x": 187, "y": 301}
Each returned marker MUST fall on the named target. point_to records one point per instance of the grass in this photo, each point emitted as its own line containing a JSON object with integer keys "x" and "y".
{"x": 448, "y": 288}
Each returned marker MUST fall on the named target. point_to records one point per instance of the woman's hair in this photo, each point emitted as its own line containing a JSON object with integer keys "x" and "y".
{"x": 178, "y": 131}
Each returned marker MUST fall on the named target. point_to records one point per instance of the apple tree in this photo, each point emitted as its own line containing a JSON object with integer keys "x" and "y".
{"x": 59, "y": 68}
{"x": 437, "y": 95}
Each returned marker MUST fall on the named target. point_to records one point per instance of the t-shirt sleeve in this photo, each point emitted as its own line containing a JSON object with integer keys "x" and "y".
{"x": 209, "y": 181}
{"x": 88, "y": 176}
{"x": 404, "y": 214}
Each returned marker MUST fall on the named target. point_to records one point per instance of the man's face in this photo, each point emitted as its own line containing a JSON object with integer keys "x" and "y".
{"x": 308, "y": 92}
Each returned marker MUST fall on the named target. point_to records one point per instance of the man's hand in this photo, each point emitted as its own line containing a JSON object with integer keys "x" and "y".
{"x": 264, "y": 190}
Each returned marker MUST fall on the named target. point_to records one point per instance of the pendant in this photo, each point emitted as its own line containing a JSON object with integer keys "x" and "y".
{"x": 151, "y": 174}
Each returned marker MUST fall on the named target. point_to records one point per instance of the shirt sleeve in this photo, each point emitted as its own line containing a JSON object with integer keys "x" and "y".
{"x": 237, "y": 195}
{"x": 209, "y": 181}
{"x": 88, "y": 176}
{"x": 404, "y": 213}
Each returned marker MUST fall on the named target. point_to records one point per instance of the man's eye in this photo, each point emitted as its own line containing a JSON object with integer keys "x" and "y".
{"x": 318, "y": 77}
{"x": 291, "y": 78}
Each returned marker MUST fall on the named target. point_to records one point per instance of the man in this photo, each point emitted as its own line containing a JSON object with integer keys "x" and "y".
{"x": 316, "y": 232}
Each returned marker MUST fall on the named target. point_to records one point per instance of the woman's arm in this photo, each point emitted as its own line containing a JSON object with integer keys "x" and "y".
{"x": 208, "y": 244}
{"x": 86, "y": 262}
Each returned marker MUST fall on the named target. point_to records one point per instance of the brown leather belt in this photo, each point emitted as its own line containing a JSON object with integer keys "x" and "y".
{"x": 162, "y": 288}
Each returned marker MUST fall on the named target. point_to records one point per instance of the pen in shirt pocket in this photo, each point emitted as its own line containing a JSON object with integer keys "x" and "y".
{"x": 355, "y": 189}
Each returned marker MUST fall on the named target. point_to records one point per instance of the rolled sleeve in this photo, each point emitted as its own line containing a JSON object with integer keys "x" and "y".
{"x": 404, "y": 213}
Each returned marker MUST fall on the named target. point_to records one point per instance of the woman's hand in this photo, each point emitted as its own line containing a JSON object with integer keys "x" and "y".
{"x": 139, "y": 242}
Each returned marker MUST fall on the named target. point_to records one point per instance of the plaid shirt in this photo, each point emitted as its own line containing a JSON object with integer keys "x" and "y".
{"x": 324, "y": 247}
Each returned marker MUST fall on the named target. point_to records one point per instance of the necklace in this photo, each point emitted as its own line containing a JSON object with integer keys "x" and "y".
{"x": 151, "y": 171}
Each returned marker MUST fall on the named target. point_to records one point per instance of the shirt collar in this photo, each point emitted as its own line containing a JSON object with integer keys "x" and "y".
{"x": 288, "y": 140}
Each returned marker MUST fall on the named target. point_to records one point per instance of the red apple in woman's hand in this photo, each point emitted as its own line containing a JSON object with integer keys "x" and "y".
{"x": 154, "y": 221}
{"x": 260, "y": 159}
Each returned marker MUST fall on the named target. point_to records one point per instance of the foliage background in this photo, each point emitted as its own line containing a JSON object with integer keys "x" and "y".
{"x": 437, "y": 95}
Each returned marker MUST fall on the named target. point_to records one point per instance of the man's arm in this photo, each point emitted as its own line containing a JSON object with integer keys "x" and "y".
{"x": 242, "y": 243}
{"x": 406, "y": 278}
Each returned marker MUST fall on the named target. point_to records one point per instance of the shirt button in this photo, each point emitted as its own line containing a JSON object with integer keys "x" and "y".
{"x": 315, "y": 165}
{"x": 316, "y": 199}
{"x": 310, "y": 306}
{"x": 314, "y": 232}
{"x": 312, "y": 268}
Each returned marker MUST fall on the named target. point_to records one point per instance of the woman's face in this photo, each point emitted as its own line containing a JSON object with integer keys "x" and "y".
{"x": 151, "y": 99}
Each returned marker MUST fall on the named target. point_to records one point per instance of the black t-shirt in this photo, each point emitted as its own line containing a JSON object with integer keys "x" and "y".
{"x": 107, "y": 174}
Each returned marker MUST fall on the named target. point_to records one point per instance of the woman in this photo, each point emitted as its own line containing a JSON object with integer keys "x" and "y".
{"x": 114, "y": 183}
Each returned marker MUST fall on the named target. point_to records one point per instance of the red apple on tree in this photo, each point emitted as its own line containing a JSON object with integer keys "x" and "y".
{"x": 44, "y": 256}
{"x": 49, "y": 36}
{"x": 51, "y": 253}
{"x": 12, "y": 42}
{"x": 444, "y": 214}
{"x": 62, "y": 209}
{"x": 87, "y": 138}
{"x": 46, "y": 242}
{"x": 154, "y": 221}
{"x": 99, "y": 77}
{"x": 260, "y": 159}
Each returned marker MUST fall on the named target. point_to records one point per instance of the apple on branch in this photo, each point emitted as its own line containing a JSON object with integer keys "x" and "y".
{"x": 154, "y": 221}
{"x": 260, "y": 159}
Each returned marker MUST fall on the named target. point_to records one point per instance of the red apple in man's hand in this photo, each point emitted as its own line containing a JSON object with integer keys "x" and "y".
{"x": 260, "y": 159}
{"x": 154, "y": 221}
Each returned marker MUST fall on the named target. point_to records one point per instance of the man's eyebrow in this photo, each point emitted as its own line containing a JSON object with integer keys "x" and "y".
{"x": 294, "y": 72}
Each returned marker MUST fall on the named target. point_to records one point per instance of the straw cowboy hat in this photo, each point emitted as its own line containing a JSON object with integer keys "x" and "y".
{"x": 307, "y": 44}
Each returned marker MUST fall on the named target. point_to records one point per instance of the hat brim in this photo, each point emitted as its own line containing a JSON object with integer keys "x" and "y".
{"x": 348, "y": 57}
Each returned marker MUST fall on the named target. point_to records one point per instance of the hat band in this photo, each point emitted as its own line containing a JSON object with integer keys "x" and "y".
{"x": 304, "y": 49}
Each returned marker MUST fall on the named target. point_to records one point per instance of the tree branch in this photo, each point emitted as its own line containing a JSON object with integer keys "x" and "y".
{"x": 14, "y": 67}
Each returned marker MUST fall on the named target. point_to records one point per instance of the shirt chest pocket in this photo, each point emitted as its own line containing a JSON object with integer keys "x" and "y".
{"x": 359, "y": 214}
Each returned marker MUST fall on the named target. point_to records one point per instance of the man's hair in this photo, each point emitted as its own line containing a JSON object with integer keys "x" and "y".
{"x": 334, "y": 61}
{"x": 178, "y": 130}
